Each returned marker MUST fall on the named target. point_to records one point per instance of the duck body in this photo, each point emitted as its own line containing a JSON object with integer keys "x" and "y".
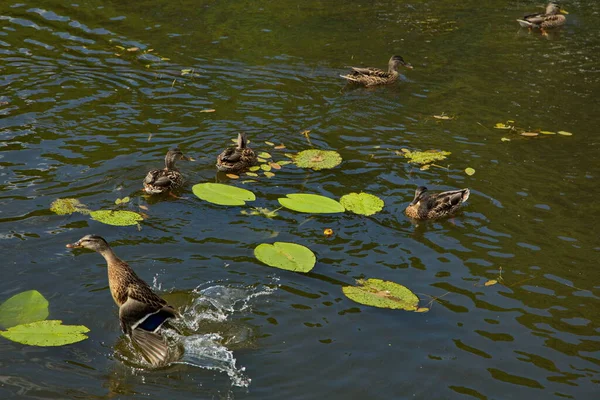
{"x": 427, "y": 205}
{"x": 549, "y": 19}
{"x": 237, "y": 159}
{"x": 376, "y": 76}
{"x": 164, "y": 180}
{"x": 141, "y": 311}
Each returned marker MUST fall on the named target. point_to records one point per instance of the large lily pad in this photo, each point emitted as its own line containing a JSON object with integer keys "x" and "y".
{"x": 23, "y": 308}
{"x": 311, "y": 203}
{"x": 317, "y": 159}
{"x": 68, "y": 206}
{"x": 362, "y": 203}
{"x": 223, "y": 195}
{"x": 117, "y": 217}
{"x": 425, "y": 157}
{"x": 382, "y": 294}
{"x": 46, "y": 333}
{"x": 288, "y": 256}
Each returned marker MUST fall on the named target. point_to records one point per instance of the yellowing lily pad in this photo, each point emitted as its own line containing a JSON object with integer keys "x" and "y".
{"x": 117, "y": 217}
{"x": 548, "y": 133}
{"x": 362, "y": 203}
{"x": 565, "y": 133}
{"x": 264, "y": 154}
{"x": 382, "y": 294}
{"x": 283, "y": 162}
{"x": 317, "y": 159}
{"x": 425, "y": 157}
{"x": 46, "y": 333}
{"x": 269, "y": 174}
{"x": 224, "y": 195}
{"x": 254, "y": 168}
{"x": 68, "y": 206}
{"x": 469, "y": 171}
{"x": 311, "y": 203}
{"x": 251, "y": 174}
{"x": 23, "y": 308}
{"x": 265, "y": 167}
{"x": 284, "y": 255}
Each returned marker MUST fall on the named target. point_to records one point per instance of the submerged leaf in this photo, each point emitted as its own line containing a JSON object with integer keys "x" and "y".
{"x": 23, "y": 308}
{"x": 224, "y": 195}
{"x": 310, "y": 203}
{"x": 469, "y": 171}
{"x": 362, "y": 203}
{"x": 425, "y": 157}
{"x": 382, "y": 294}
{"x": 285, "y": 255}
{"x": 46, "y": 333}
{"x": 117, "y": 217}
{"x": 68, "y": 206}
{"x": 317, "y": 159}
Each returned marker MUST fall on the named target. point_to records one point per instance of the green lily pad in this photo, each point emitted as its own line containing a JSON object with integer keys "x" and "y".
{"x": 264, "y": 154}
{"x": 117, "y": 217}
{"x": 223, "y": 195}
{"x": 565, "y": 133}
{"x": 289, "y": 256}
{"x": 382, "y": 294}
{"x": 254, "y": 168}
{"x": 425, "y": 157}
{"x": 362, "y": 203}
{"x": 548, "y": 132}
{"x": 46, "y": 333}
{"x": 23, "y": 308}
{"x": 269, "y": 174}
{"x": 265, "y": 167}
{"x": 283, "y": 162}
{"x": 68, "y": 206}
{"x": 311, "y": 203}
{"x": 317, "y": 159}
{"x": 469, "y": 171}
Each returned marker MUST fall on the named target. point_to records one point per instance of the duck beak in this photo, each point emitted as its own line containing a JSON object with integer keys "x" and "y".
{"x": 75, "y": 245}
{"x": 186, "y": 158}
{"x": 407, "y": 65}
{"x": 563, "y": 11}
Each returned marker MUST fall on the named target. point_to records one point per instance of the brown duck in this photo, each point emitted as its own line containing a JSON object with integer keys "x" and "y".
{"x": 166, "y": 179}
{"x": 237, "y": 159}
{"x": 141, "y": 312}
{"x": 435, "y": 205}
{"x": 546, "y": 20}
{"x": 376, "y": 76}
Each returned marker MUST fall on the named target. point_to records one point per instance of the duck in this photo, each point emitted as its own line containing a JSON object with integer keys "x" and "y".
{"x": 375, "y": 76}
{"x": 142, "y": 312}
{"x": 237, "y": 159}
{"x": 427, "y": 205}
{"x": 164, "y": 180}
{"x": 549, "y": 19}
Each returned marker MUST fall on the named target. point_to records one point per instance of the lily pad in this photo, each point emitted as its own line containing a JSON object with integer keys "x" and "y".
{"x": 469, "y": 171}
{"x": 265, "y": 167}
{"x": 223, "y": 195}
{"x": 362, "y": 203}
{"x": 68, "y": 206}
{"x": 269, "y": 174}
{"x": 565, "y": 133}
{"x": 317, "y": 159}
{"x": 425, "y": 157}
{"x": 284, "y": 255}
{"x": 283, "y": 162}
{"x": 254, "y": 168}
{"x": 382, "y": 294}
{"x": 311, "y": 203}
{"x": 117, "y": 217}
{"x": 264, "y": 154}
{"x": 23, "y": 308}
{"x": 46, "y": 333}
{"x": 548, "y": 133}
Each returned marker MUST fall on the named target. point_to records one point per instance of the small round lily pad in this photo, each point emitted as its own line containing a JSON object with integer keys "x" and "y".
{"x": 362, "y": 203}
{"x": 382, "y": 294}
{"x": 117, "y": 217}
{"x": 317, "y": 159}
{"x": 284, "y": 255}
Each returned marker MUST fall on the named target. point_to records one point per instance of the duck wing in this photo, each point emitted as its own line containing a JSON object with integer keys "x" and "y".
{"x": 446, "y": 202}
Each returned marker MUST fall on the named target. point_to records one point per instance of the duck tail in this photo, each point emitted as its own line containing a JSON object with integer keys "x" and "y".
{"x": 525, "y": 24}
{"x": 152, "y": 345}
{"x": 349, "y": 77}
{"x": 465, "y": 194}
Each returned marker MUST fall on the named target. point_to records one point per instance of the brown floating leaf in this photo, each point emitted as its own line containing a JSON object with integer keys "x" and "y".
{"x": 275, "y": 165}
{"x": 281, "y": 146}
{"x": 328, "y": 232}
{"x": 132, "y": 49}
{"x": 491, "y": 282}
{"x": 422, "y": 309}
{"x": 208, "y": 110}
{"x": 270, "y": 143}
{"x": 531, "y": 134}
{"x": 143, "y": 207}
{"x": 233, "y": 176}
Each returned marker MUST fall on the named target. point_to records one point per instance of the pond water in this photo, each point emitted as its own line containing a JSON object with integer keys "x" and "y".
{"x": 83, "y": 117}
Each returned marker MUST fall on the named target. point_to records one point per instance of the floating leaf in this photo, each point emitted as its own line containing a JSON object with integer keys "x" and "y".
{"x": 283, "y": 162}
{"x": 264, "y": 155}
{"x": 362, "y": 203}
{"x": 382, "y": 294}
{"x": 122, "y": 201}
{"x": 274, "y": 165}
{"x": 491, "y": 282}
{"x": 328, "y": 232}
{"x": 504, "y": 139}
{"x": 289, "y": 256}
{"x": 500, "y": 125}
{"x": 208, "y": 110}
{"x": 269, "y": 174}
{"x": 23, "y": 308}
{"x": 469, "y": 171}
{"x": 68, "y": 206}
{"x": 279, "y": 147}
{"x": 426, "y": 157}
{"x": 261, "y": 211}
{"x": 251, "y": 174}
{"x": 132, "y": 49}
{"x": 530, "y": 134}
{"x": 265, "y": 167}
{"x": 565, "y": 133}
{"x": 422, "y": 309}
{"x": 289, "y": 155}
{"x": 261, "y": 160}
{"x": 548, "y": 132}
{"x": 116, "y": 217}
{"x": 254, "y": 168}
{"x": 270, "y": 143}
{"x": 311, "y": 203}
{"x": 46, "y": 333}
{"x": 317, "y": 159}
{"x": 224, "y": 195}
{"x": 443, "y": 116}
{"x": 232, "y": 176}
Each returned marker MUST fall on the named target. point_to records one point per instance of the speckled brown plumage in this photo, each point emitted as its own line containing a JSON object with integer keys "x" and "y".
{"x": 237, "y": 159}
{"x": 166, "y": 179}
{"x": 376, "y": 76}
{"x": 549, "y": 19}
{"x": 427, "y": 205}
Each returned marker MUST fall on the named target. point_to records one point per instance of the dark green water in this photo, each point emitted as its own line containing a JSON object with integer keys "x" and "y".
{"x": 75, "y": 117}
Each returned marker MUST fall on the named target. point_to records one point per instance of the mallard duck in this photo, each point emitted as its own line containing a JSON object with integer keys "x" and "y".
{"x": 376, "y": 76}
{"x": 546, "y": 20}
{"x": 141, "y": 311}
{"x": 236, "y": 159}
{"x": 435, "y": 205}
{"x": 163, "y": 180}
